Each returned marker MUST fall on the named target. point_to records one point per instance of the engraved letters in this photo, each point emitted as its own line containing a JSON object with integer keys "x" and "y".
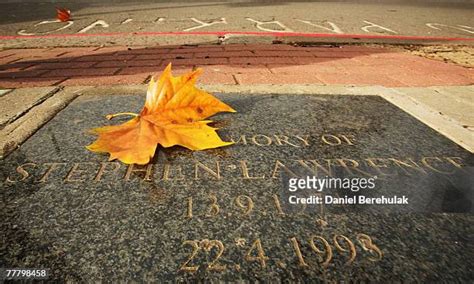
{"x": 245, "y": 169}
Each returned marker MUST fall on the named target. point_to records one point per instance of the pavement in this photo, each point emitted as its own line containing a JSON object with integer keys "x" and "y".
{"x": 232, "y": 64}
{"x": 37, "y": 83}
{"x": 438, "y": 101}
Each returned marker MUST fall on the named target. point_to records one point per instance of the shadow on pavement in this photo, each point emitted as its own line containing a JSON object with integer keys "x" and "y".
{"x": 227, "y": 64}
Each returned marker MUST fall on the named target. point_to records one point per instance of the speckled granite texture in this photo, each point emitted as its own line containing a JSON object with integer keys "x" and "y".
{"x": 67, "y": 209}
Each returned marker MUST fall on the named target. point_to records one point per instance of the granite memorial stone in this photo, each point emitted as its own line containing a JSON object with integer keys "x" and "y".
{"x": 229, "y": 213}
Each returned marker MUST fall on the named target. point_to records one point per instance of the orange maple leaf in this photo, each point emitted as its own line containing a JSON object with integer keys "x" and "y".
{"x": 173, "y": 115}
{"x": 63, "y": 14}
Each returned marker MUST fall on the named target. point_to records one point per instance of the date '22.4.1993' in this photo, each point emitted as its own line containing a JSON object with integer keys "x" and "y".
{"x": 322, "y": 248}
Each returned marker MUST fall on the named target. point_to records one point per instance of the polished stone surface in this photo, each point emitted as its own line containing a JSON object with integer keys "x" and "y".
{"x": 67, "y": 209}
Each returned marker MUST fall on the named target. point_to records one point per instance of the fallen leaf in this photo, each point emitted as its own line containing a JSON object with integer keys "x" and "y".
{"x": 173, "y": 114}
{"x": 63, "y": 14}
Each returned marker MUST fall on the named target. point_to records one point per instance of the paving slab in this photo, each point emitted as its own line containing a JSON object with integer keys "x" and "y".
{"x": 224, "y": 214}
{"x": 14, "y": 104}
{"x": 454, "y": 102}
{"x": 448, "y": 111}
{"x": 16, "y": 132}
{"x": 463, "y": 94}
{"x": 4, "y": 91}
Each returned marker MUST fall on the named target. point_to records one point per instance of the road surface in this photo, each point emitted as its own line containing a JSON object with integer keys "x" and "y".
{"x": 165, "y": 22}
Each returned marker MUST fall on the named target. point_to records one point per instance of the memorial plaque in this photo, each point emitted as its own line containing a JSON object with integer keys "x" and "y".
{"x": 400, "y": 208}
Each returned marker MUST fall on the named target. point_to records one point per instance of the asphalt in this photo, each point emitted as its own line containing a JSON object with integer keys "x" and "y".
{"x": 147, "y": 19}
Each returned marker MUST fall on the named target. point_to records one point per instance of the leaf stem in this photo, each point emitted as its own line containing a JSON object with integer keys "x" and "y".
{"x": 110, "y": 116}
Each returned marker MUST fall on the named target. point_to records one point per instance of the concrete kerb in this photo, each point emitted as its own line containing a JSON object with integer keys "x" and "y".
{"x": 21, "y": 129}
